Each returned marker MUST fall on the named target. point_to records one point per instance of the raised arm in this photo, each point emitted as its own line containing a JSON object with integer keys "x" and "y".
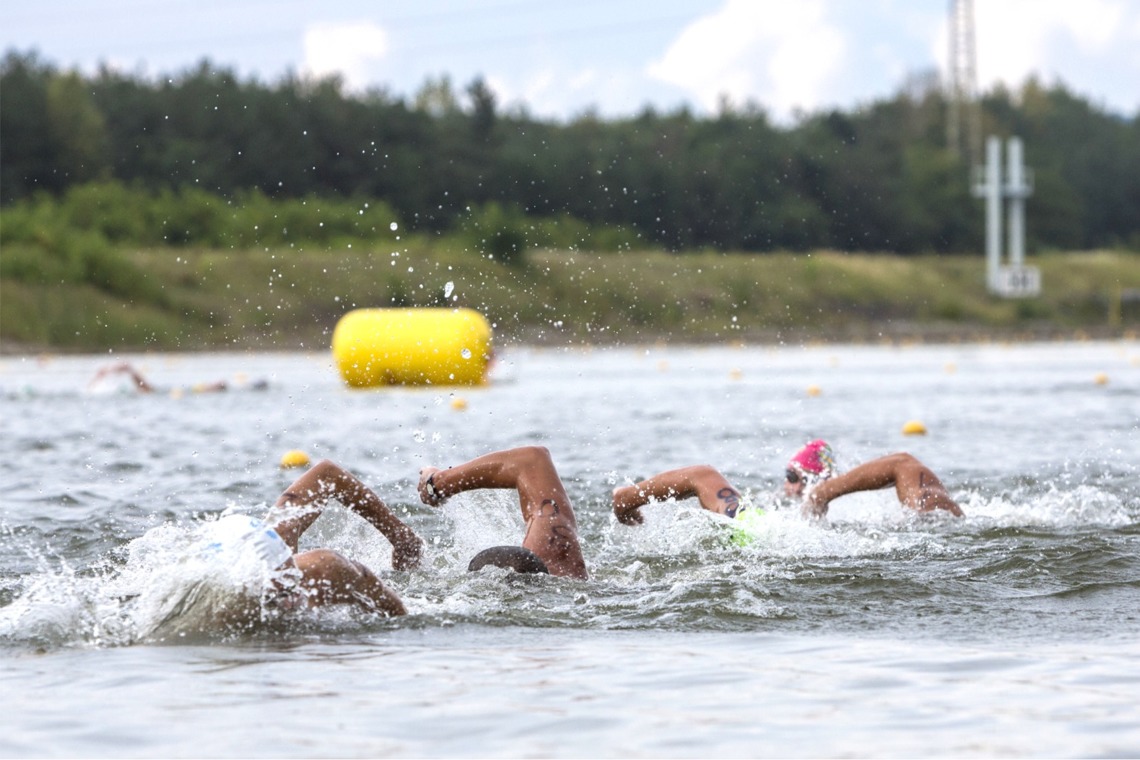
{"x": 552, "y": 529}
{"x": 711, "y": 488}
{"x": 123, "y": 368}
{"x": 917, "y": 486}
{"x": 302, "y": 503}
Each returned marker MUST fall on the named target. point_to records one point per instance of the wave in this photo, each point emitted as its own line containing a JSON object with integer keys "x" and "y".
{"x": 683, "y": 569}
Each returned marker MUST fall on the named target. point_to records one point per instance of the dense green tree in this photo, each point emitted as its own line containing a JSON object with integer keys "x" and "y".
{"x": 877, "y": 178}
{"x": 52, "y": 134}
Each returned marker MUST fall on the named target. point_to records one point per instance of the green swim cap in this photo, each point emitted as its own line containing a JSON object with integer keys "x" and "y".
{"x": 745, "y": 527}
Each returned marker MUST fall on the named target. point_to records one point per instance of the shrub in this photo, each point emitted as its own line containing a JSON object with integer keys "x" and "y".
{"x": 109, "y": 208}
{"x": 501, "y": 232}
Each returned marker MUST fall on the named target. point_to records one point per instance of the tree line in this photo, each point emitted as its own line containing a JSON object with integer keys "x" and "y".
{"x": 877, "y": 178}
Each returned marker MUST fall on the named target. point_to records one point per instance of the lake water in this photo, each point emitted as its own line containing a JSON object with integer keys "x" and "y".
{"x": 1014, "y": 631}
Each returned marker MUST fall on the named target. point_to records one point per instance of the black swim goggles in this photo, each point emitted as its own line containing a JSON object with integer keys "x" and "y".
{"x": 792, "y": 476}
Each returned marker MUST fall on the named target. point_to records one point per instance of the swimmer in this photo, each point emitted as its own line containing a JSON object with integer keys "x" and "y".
{"x": 712, "y": 490}
{"x": 122, "y": 368}
{"x": 916, "y": 485}
{"x": 811, "y": 475}
{"x": 142, "y": 385}
{"x": 550, "y": 543}
{"x": 326, "y": 576}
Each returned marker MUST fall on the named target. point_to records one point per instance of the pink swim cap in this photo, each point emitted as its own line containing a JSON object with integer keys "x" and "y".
{"x": 814, "y": 459}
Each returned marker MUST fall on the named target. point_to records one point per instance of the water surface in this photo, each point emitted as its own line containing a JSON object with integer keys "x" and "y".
{"x": 1013, "y": 631}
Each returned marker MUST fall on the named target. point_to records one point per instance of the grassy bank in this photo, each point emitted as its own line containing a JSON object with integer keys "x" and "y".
{"x": 285, "y": 300}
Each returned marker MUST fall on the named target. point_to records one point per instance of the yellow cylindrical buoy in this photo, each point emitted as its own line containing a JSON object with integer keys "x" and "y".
{"x": 458, "y": 403}
{"x": 412, "y": 347}
{"x": 913, "y": 427}
{"x": 294, "y": 458}
{"x": 1101, "y": 378}
{"x": 814, "y": 390}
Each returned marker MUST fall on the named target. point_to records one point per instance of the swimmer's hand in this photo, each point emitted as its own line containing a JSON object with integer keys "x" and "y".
{"x": 428, "y": 493}
{"x": 407, "y": 550}
{"x": 814, "y": 508}
{"x": 627, "y": 505}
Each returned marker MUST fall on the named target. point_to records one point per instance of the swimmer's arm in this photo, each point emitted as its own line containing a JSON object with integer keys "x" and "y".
{"x": 126, "y": 369}
{"x": 711, "y": 488}
{"x": 139, "y": 381}
{"x": 870, "y": 476}
{"x": 371, "y": 593}
{"x": 916, "y": 485}
{"x": 328, "y": 480}
{"x": 527, "y": 469}
{"x": 328, "y": 577}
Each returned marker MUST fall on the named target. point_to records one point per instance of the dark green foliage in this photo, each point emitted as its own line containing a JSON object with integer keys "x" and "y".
{"x": 214, "y": 150}
{"x": 499, "y": 232}
{"x": 193, "y": 217}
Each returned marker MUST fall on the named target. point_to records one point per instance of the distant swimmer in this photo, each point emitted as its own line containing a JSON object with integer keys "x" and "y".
{"x": 122, "y": 369}
{"x": 811, "y": 476}
{"x": 106, "y": 377}
{"x": 550, "y": 544}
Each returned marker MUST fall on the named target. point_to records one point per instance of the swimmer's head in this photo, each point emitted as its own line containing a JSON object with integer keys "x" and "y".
{"x": 245, "y": 545}
{"x": 515, "y": 558}
{"x": 813, "y": 463}
{"x": 236, "y": 573}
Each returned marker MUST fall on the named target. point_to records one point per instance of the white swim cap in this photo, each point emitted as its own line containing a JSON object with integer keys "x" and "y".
{"x": 243, "y": 543}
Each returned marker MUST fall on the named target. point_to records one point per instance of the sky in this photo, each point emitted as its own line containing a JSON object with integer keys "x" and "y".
{"x": 560, "y": 59}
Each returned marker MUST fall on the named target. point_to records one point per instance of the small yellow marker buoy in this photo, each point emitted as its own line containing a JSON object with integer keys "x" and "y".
{"x": 914, "y": 427}
{"x": 951, "y": 368}
{"x": 294, "y": 458}
{"x": 735, "y": 373}
{"x": 814, "y": 390}
{"x": 458, "y": 404}
{"x": 1101, "y": 379}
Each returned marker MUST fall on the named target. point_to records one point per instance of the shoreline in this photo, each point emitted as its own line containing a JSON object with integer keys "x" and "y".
{"x": 217, "y": 301}
{"x": 884, "y": 336}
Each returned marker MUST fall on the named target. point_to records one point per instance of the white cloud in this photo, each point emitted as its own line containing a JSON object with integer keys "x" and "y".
{"x": 1017, "y": 38}
{"x": 346, "y": 49}
{"x": 533, "y": 93}
{"x": 783, "y": 54}
{"x": 550, "y": 93}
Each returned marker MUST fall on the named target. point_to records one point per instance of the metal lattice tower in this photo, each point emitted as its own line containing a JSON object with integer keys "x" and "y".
{"x": 963, "y": 122}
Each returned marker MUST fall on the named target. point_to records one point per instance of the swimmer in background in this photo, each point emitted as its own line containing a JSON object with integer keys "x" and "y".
{"x": 142, "y": 385}
{"x": 550, "y": 543}
{"x": 811, "y": 476}
{"x": 122, "y": 368}
{"x": 326, "y": 577}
